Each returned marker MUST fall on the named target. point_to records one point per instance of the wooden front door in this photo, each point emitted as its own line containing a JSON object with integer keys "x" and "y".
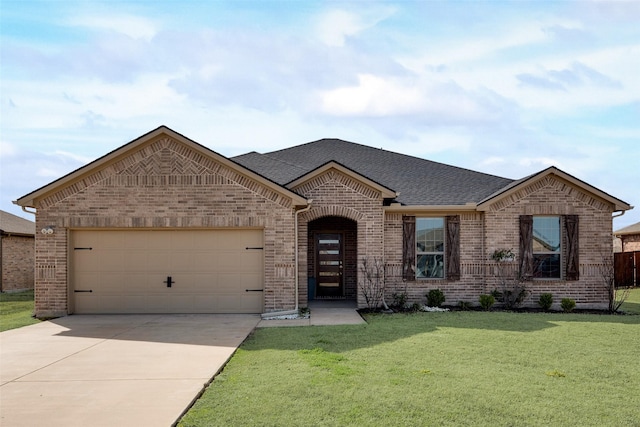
{"x": 329, "y": 265}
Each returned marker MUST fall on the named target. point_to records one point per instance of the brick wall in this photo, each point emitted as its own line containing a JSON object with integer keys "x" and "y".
{"x": 553, "y": 196}
{"x": 481, "y": 233}
{"x": 630, "y": 243}
{"x": 471, "y": 283}
{"x": 17, "y": 262}
{"x": 164, "y": 184}
{"x": 336, "y": 194}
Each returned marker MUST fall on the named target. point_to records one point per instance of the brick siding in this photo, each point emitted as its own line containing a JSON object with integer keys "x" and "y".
{"x": 336, "y": 194}
{"x": 481, "y": 233}
{"x": 630, "y": 243}
{"x": 17, "y": 262}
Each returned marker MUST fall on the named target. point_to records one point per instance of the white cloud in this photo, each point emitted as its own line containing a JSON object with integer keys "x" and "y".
{"x": 132, "y": 26}
{"x": 335, "y": 26}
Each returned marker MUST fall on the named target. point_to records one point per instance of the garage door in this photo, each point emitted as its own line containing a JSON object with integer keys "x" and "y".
{"x": 195, "y": 271}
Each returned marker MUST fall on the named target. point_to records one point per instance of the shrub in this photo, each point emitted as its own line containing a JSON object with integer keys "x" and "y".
{"x": 464, "y": 305}
{"x": 435, "y": 298}
{"x": 568, "y": 304}
{"x": 545, "y": 301}
{"x": 400, "y": 300}
{"x": 415, "y": 307}
{"x": 487, "y": 301}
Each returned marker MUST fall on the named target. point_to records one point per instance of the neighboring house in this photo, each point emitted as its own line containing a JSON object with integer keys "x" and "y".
{"x": 16, "y": 252}
{"x": 628, "y": 238}
{"x": 164, "y": 224}
{"x": 626, "y": 246}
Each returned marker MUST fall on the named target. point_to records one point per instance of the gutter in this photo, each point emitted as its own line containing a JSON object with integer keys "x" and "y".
{"x": 622, "y": 212}
{"x": 297, "y": 279}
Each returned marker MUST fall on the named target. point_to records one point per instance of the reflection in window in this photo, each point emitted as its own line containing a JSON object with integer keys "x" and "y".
{"x": 430, "y": 247}
{"x": 546, "y": 247}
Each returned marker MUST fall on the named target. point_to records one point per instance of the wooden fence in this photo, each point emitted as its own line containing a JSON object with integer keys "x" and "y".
{"x": 627, "y": 268}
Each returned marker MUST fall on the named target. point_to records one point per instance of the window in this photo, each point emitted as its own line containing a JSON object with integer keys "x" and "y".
{"x": 430, "y": 248}
{"x": 546, "y": 247}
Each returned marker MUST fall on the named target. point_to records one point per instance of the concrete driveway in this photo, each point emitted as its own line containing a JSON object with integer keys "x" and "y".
{"x": 113, "y": 370}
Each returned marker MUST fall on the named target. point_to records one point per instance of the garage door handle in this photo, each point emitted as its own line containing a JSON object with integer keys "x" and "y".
{"x": 83, "y": 290}
{"x": 254, "y": 290}
{"x": 169, "y": 281}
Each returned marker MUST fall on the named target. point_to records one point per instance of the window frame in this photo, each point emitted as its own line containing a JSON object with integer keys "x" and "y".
{"x": 536, "y": 255}
{"x": 442, "y": 254}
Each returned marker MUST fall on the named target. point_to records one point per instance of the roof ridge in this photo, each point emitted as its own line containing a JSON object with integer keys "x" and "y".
{"x": 395, "y": 153}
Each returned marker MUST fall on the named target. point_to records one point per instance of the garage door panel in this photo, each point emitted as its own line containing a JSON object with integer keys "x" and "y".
{"x": 158, "y": 261}
{"x": 136, "y": 262}
{"x": 112, "y": 283}
{"x": 181, "y": 261}
{"x": 127, "y": 271}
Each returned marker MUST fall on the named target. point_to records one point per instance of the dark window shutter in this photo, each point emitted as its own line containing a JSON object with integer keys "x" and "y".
{"x": 526, "y": 247}
{"x": 571, "y": 235}
{"x": 408, "y": 247}
{"x": 452, "y": 259}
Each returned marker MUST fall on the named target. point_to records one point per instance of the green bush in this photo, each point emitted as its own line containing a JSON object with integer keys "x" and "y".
{"x": 415, "y": 307}
{"x": 487, "y": 301}
{"x": 435, "y": 298}
{"x": 400, "y": 300}
{"x": 464, "y": 305}
{"x": 545, "y": 301}
{"x": 568, "y": 304}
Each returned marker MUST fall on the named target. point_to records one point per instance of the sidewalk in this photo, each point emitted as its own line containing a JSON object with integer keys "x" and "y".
{"x": 322, "y": 313}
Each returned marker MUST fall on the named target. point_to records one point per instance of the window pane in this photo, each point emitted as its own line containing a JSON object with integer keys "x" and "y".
{"x": 329, "y": 252}
{"x": 546, "y": 234}
{"x": 328, "y": 241}
{"x": 431, "y": 266}
{"x": 430, "y": 234}
{"x": 546, "y": 266}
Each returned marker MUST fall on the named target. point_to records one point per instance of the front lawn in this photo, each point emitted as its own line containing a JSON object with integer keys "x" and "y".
{"x": 632, "y": 303}
{"x": 457, "y": 368}
{"x": 16, "y": 310}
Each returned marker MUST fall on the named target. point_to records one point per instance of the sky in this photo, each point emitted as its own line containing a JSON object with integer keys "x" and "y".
{"x": 507, "y": 88}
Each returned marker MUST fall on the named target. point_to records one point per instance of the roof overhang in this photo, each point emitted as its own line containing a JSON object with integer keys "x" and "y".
{"x": 119, "y": 153}
{"x": 618, "y": 205}
{"x": 386, "y": 192}
{"x": 429, "y": 209}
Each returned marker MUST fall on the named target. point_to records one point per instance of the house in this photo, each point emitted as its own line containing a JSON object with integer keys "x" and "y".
{"x": 16, "y": 252}
{"x": 626, "y": 246}
{"x": 164, "y": 224}
{"x": 628, "y": 238}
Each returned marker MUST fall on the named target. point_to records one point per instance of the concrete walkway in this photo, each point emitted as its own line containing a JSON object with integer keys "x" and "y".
{"x": 113, "y": 370}
{"x": 322, "y": 313}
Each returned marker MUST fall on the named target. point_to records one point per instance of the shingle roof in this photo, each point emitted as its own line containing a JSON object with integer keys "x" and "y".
{"x": 630, "y": 229}
{"x": 419, "y": 181}
{"x": 12, "y": 224}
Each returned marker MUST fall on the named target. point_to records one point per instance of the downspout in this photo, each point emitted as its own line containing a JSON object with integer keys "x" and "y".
{"x": 296, "y": 268}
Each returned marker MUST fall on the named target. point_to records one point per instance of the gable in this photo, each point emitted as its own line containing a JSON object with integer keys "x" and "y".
{"x": 341, "y": 175}
{"x": 161, "y": 157}
{"x": 559, "y": 182}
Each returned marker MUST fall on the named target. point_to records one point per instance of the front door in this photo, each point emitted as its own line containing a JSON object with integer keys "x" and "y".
{"x": 329, "y": 265}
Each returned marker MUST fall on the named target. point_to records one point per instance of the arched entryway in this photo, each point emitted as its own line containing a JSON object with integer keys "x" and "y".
{"x": 332, "y": 267}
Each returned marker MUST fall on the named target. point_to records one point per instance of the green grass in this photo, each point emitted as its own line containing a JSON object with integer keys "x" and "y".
{"x": 457, "y": 368}
{"x": 632, "y": 303}
{"x": 16, "y": 310}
